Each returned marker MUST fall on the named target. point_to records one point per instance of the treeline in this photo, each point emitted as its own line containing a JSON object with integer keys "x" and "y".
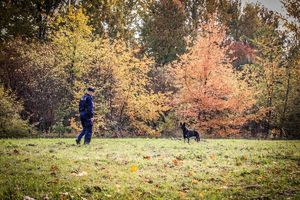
{"x": 223, "y": 69}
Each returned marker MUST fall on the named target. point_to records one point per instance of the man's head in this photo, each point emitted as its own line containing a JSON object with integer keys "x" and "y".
{"x": 91, "y": 90}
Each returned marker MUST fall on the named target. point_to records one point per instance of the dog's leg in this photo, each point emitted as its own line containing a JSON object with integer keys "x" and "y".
{"x": 188, "y": 140}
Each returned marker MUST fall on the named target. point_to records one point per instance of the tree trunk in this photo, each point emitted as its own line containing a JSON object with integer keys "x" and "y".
{"x": 285, "y": 103}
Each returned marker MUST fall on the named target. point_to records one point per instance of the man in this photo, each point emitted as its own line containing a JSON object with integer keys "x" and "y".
{"x": 86, "y": 110}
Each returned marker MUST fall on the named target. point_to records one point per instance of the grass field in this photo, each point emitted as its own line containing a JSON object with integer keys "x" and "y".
{"x": 149, "y": 169}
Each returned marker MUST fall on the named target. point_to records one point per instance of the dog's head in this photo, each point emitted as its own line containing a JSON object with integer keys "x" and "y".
{"x": 182, "y": 125}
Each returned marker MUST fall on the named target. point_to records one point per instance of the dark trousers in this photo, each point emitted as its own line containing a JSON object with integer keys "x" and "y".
{"x": 87, "y": 128}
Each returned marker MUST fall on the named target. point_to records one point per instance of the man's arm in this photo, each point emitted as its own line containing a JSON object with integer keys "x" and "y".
{"x": 90, "y": 107}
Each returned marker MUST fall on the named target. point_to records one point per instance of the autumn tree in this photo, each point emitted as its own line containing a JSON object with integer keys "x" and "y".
{"x": 164, "y": 30}
{"x": 124, "y": 99}
{"x": 72, "y": 37}
{"x": 209, "y": 93}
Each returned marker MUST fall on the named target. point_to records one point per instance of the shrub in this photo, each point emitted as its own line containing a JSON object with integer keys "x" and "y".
{"x": 11, "y": 123}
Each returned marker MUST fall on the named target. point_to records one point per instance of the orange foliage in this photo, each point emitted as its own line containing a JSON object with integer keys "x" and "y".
{"x": 209, "y": 93}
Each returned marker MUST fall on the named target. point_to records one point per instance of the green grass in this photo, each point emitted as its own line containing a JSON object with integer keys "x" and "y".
{"x": 166, "y": 169}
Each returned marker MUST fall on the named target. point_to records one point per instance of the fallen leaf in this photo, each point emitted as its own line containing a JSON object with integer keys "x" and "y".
{"x": 83, "y": 173}
{"x": 54, "y": 181}
{"x": 31, "y": 145}
{"x": 213, "y": 157}
{"x": 53, "y": 170}
{"x": 133, "y": 168}
{"x": 175, "y": 162}
{"x": 60, "y": 143}
{"x": 252, "y": 186}
{"x": 16, "y": 152}
{"x": 194, "y": 181}
{"x": 88, "y": 190}
{"x": 147, "y": 157}
{"x": 224, "y": 187}
{"x": 64, "y": 196}
{"x": 179, "y": 157}
{"x": 46, "y": 197}
{"x": 97, "y": 188}
{"x": 149, "y": 181}
{"x": 244, "y": 157}
{"x": 28, "y": 198}
{"x": 189, "y": 174}
{"x": 182, "y": 194}
{"x": 201, "y": 195}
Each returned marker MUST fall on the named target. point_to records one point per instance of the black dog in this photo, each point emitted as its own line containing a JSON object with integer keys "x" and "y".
{"x": 188, "y": 133}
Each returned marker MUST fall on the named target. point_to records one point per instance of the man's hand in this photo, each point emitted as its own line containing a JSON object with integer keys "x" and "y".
{"x": 92, "y": 119}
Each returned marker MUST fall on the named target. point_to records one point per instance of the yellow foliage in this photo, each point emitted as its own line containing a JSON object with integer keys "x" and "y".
{"x": 104, "y": 64}
{"x": 74, "y": 125}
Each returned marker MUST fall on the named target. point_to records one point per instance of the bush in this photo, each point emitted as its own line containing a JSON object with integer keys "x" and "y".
{"x": 11, "y": 123}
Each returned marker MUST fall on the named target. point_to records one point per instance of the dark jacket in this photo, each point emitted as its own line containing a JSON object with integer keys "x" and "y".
{"x": 86, "y": 106}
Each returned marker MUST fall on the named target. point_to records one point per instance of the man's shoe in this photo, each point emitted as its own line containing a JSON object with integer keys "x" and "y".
{"x": 77, "y": 142}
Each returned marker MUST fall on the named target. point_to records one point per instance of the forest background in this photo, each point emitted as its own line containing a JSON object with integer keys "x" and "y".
{"x": 226, "y": 70}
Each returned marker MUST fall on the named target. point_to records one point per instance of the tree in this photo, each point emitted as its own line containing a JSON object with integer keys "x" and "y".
{"x": 11, "y": 123}
{"x": 274, "y": 75}
{"x": 209, "y": 93}
{"x": 293, "y": 9}
{"x": 115, "y": 19}
{"x": 245, "y": 27}
{"x": 124, "y": 98}
{"x": 163, "y": 33}
{"x": 290, "y": 119}
{"x": 266, "y": 74}
{"x": 72, "y": 37}
{"x": 27, "y": 18}
{"x": 30, "y": 71}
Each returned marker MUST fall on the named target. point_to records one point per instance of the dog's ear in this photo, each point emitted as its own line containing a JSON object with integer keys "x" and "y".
{"x": 183, "y": 124}
{"x": 180, "y": 123}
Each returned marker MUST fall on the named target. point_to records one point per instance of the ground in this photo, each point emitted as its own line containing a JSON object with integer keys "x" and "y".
{"x": 149, "y": 169}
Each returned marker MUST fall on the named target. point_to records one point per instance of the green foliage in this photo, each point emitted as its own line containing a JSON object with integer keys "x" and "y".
{"x": 164, "y": 30}
{"x": 27, "y": 18}
{"x": 11, "y": 123}
{"x": 36, "y": 80}
{"x": 60, "y": 129}
{"x": 169, "y": 126}
{"x": 114, "y": 19}
{"x": 275, "y": 81}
